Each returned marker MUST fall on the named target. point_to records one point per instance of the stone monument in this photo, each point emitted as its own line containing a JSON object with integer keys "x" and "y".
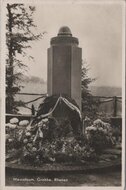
{"x": 64, "y": 65}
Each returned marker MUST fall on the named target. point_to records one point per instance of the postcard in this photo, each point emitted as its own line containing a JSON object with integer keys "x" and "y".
{"x": 62, "y": 94}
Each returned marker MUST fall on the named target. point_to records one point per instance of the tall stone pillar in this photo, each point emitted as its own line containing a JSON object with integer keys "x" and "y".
{"x": 64, "y": 66}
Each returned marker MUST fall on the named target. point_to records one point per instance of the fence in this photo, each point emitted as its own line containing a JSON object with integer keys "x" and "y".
{"x": 108, "y": 105}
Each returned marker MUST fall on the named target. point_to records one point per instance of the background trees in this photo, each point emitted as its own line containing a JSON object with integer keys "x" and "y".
{"x": 19, "y": 32}
{"x": 89, "y": 104}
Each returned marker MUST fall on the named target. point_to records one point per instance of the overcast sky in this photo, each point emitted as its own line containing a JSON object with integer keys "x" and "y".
{"x": 99, "y": 30}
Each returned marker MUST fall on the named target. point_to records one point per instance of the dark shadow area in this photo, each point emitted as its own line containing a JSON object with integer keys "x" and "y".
{"x": 110, "y": 177}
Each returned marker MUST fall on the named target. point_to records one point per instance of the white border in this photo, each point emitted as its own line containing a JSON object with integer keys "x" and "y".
{"x": 3, "y": 40}
{"x": 2, "y": 109}
{"x": 123, "y": 96}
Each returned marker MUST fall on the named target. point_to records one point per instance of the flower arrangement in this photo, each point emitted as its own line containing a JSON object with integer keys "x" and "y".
{"x": 99, "y": 135}
{"x": 50, "y": 140}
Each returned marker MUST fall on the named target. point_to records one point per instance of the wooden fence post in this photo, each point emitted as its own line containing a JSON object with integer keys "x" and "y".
{"x": 33, "y": 109}
{"x": 115, "y": 106}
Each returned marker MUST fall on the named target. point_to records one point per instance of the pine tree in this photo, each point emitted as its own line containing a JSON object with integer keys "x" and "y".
{"x": 19, "y": 33}
{"x": 89, "y": 104}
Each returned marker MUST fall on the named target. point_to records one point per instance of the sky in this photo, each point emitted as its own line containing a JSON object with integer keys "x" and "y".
{"x": 98, "y": 26}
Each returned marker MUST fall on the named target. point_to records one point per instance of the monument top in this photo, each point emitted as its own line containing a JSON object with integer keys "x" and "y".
{"x": 64, "y": 37}
{"x": 64, "y": 31}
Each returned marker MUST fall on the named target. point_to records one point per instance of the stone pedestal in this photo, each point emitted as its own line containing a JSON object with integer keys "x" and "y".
{"x": 64, "y": 66}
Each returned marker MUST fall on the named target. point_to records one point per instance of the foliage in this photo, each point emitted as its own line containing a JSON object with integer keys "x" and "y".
{"x": 47, "y": 142}
{"x": 99, "y": 135}
{"x": 18, "y": 35}
{"x": 89, "y": 104}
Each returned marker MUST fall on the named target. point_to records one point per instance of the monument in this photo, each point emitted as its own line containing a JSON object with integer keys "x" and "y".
{"x": 64, "y": 65}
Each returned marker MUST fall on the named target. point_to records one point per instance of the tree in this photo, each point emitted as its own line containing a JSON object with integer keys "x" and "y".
{"x": 19, "y": 33}
{"x": 89, "y": 104}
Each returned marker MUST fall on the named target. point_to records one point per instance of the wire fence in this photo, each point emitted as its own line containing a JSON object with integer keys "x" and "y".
{"x": 111, "y": 105}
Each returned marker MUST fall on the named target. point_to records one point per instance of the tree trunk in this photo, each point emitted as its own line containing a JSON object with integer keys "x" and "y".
{"x": 9, "y": 95}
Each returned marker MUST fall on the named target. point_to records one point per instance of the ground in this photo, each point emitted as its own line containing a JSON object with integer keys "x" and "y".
{"x": 112, "y": 178}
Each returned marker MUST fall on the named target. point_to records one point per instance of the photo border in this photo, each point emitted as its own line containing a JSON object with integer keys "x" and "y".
{"x": 2, "y": 144}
